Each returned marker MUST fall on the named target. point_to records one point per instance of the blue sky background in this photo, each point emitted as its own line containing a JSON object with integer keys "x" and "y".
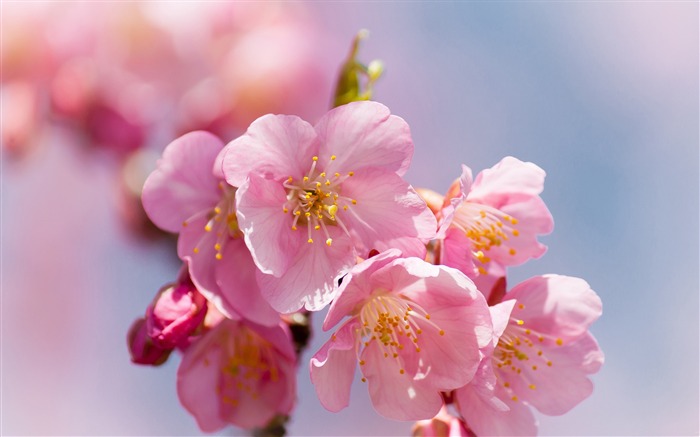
{"x": 603, "y": 96}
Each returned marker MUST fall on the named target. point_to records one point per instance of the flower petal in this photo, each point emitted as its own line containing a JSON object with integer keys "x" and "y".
{"x": 332, "y": 368}
{"x": 556, "y": 305}
{"x": 236, "y": 277}
{"x": 197, "y": 379}
{"x": 310, "y": 279}
{"x": 195, "y": 246}
{"x": 456, "y": 252}
{"x": 565, "y": 384}
{"x": 483, "y": 419}
{"x": 388, "y": 213}
{"x": 183, "y": 184}
{"x": 394, "y": 395}
{"x": 275, "y": 146}
{"x": 266, "y": 227}
{"x": 510, "y": 176}
{"x": 364, "y": 134}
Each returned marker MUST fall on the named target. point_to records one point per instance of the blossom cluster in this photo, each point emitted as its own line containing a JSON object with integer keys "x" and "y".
{"x": 292, "y": 218}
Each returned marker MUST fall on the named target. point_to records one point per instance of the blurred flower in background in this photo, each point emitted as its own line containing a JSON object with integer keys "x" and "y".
{"x": 129, "y": 76}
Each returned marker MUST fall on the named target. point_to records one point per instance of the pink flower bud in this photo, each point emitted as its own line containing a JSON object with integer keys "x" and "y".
{"x": 141, "y": 348}
{"x": 177, "y": 311}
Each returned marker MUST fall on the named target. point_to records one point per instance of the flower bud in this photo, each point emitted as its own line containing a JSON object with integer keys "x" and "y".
{"x": 177, "y": 311}
{"x": 141, "y": 348}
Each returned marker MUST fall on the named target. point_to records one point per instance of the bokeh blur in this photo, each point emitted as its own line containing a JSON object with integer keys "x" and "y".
{"x": 602, "y": 95}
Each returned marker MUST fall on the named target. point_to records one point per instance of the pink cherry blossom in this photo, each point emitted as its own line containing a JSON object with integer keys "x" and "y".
{"x": 494, "y": 222}
{"x": 313, "y": 198}
{"x": 416, "y": 329}
{"x": 176, "y": 312}
{"x": 186, "y": 194}
{"x": 238, "y": 373}
{"x": 542, "y": 357}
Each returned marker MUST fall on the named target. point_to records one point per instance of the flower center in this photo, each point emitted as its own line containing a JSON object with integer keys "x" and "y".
{"x": 316, "y": 200}
{"x": 394, "y": 323}
{"x": 486, "y": 227}
{"x": 248, "y": 361}
{"x": 222, "y": 220}
{"x": 521, "y": 348}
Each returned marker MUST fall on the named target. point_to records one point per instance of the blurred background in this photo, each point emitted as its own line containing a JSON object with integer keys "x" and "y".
{"x": 603, "y": 96}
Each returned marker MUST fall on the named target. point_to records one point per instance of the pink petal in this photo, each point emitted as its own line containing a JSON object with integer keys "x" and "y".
{"x": 310, "y": 279}
{"x": 565, "y": 384}
{"x": 558, "y": 306}
{"x": 388, "y": 213}
{"x": 485, "y": 420}
{"x": 465, "y": 181}
{"x": 456, "y": 252}
{"x": 266, "y": 227}
{"x": 533, "y": 219}
{"x": 394, "y": 395}
{"x": 197, "y": 379}
{"x": 275, "y": 146}
{"x": 500, "y": 316}
{"x": 510, "y": 176}
{"x": 332, "y": 368}
{"x": 364, "y": 134}
{"x": 356, "y": 287}
{"x": 183, "y": 184}
{"x": 201, "y": 264}
{"x": 236, "y": 276}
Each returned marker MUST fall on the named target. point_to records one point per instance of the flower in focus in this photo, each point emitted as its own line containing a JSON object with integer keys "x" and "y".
{"x": 494, "y": 222}
{"x": 442, "y": 425}
{"x": 185, "y": 195}
{"x": 176, "y": 312}
{"x": 313, "y": 198}
{"x": 542, "y": 358}
{"x": 238, "y": 373}
{"x": 416, "y": 329}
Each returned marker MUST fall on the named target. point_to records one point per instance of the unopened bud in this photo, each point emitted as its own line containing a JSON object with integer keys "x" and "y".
{"x": 141, "y": 348}
{"x": 177, "y": 311}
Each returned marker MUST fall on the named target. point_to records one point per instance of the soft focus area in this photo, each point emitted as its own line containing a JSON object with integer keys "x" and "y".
{"x": 602, "y": 96}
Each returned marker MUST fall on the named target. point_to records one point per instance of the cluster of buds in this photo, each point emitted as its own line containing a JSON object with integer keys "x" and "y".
{"x": 292, "y": 218}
